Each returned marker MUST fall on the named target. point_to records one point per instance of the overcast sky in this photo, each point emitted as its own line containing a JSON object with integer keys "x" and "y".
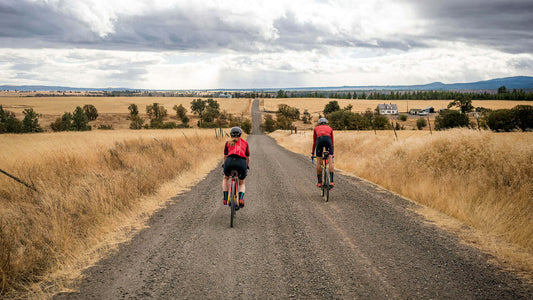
{"x": 196, "y": 44}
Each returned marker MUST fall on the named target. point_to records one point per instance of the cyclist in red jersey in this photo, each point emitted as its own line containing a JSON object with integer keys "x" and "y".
{"x": 323, "y": 138}
{"x": 236, "y": 157}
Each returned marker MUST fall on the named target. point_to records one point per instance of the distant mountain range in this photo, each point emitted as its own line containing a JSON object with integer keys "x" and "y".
{"x": 516, "y": 82}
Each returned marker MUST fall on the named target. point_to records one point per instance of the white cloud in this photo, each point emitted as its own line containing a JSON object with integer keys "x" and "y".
{"x": 451, "y": 62}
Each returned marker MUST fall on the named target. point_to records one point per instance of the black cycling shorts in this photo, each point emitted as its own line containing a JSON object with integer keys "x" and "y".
{"x": 236, "y": 163}
{"x": 324, "y": 142}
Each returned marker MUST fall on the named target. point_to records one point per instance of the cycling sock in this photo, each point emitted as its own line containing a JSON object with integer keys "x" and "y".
{"x": 331, "y": 176}
{"x": 319, "y": 176}
{"x": 226, "y": 195}
{"x": 241, "y": 195}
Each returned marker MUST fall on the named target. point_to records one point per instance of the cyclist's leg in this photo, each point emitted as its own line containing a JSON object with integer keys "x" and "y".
{"x": 225, "y": 180}
{"x": 319, "y": 168}
{"x": 319, "y": 149}
{"x": 243, "y": 172}
{"x": 329, "y": 148}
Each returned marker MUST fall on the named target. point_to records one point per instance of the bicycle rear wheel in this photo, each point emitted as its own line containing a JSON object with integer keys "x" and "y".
{"x": 232, "y": 202}
{"x": 325, "y": 186}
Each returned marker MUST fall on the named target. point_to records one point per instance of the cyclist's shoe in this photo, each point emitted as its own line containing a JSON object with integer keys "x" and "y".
{"x": 332, "y": 184}
{"x": 241, "y": 202}
{"x": 319, "y": 184}
{"x": 225, "y": 201}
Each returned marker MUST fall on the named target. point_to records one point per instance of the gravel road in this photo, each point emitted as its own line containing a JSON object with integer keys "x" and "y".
{"x": 366, "y": 243}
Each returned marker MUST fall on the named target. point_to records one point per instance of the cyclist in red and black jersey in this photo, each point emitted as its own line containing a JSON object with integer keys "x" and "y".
{"x": 323, "y": 138}
{"x": 236, "y": 157}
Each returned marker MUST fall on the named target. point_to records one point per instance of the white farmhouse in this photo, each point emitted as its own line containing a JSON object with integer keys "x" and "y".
{"x": 228, "y": 95}
{"x": 388, "y": 109}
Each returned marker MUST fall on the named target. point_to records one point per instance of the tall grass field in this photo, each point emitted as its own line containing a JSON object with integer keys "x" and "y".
{"x": 483, "y": 179}
{"x": 93, "y": 188}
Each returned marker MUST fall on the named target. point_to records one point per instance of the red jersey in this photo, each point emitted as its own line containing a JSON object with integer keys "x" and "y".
{"x": 241, "y": 149}
{"x": 322, "y": 130}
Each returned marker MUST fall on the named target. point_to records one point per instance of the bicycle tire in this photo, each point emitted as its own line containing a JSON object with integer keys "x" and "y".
{"x": 232, "y": 202}
{"x": 325, "y": 194}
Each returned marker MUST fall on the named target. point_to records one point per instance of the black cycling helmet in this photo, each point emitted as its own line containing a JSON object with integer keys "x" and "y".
{"x": 322, "y": 121}
{"x": 235, "y": 132}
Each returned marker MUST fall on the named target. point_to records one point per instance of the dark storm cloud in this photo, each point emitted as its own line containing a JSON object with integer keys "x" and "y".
{"x": 500, "y": 24}
{"x": 31, "y": 25}
{"x": 25, "y": 24}
{"x": 178, "y": 30}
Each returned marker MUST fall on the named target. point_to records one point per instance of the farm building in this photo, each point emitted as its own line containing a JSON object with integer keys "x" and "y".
{"x": 429, "y": 110}
{"x": 388, "y": 109}
{"x": 422, "y": 112}
{"x": 228, "y": 95}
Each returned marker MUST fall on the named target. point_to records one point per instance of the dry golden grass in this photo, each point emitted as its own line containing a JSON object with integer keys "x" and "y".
{"x": 483, "y": 179}
{"x": 112, "y": 110}
{"x": 90, "y": 196}
{"x": 316, "y": 105}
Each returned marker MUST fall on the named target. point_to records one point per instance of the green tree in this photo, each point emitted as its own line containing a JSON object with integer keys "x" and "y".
{"x": 523, "y": 116}
{"x": 450, "y": 119}
{"x": 464, "y": 103}
{"x": 501, "y": 120}
{"x": 63, "y": 124}
{"x": 382, "y": 122}
{"x": 9, "y": 122}
{"x": 30, "y": 123}
{"x": 287, "y": 111}
{"x": 80, "y": 122}
{"x": 282, "y": 94}
{"x": 283, "y": 122}
{"x": 246, "y": 126}
{"x": 502, "y": 90}
{"x": 181, "y": 111}
{"x": 136, "y": 121}
{"x": 198, "y": 106}
{"x": 157, "y": 113}
{"x": 134, "y": 110}
{"x": 421, "y": 123}
{"x": 269, "y": 125}
{"x": 331, "y": 107}
{"x": 210, "y": 114}
{"x": 90, "y": 112}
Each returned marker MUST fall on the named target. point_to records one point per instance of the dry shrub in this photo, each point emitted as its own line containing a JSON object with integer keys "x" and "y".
{"x": 81, "y": 196}
{"x": 484, "y": 179}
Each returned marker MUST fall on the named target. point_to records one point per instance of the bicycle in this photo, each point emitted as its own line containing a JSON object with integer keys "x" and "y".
{"x": 325, "y": 175}
{"x": 233, "y": 195}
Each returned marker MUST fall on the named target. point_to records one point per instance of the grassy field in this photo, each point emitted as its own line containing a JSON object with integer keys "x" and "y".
{"x": 93, "y": 189}
{"x": 112, "y": 110}
{"x": 483, "y": 179}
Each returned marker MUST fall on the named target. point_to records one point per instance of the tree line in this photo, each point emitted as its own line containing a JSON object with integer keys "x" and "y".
{"x": 208, "y": 111}
{"x": 501, "y": 94}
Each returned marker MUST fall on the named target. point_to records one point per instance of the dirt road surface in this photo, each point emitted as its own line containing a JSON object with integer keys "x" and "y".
{"x": 366, "y": 243}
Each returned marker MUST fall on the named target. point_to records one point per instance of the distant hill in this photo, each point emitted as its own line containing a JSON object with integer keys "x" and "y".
{"x": 29, "y": 88}
{"x": 516, "y": 82}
